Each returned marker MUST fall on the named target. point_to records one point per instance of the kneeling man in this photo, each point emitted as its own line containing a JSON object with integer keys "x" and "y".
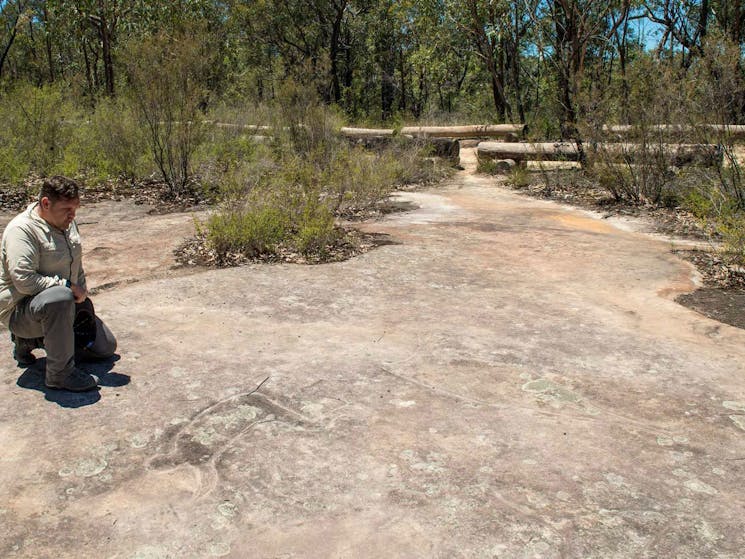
{"x": 42, "y": 287}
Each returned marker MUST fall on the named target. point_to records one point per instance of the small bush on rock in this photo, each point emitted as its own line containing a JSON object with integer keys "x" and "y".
{"x": 295, "y": 180}
{"x": 247, "y": 231}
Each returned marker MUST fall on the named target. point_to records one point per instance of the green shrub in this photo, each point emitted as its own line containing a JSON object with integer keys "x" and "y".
{"x": 13, "y": 168}
{"x": 717, "y": 199}
{"x": 249, "y": 231}
{"x": 168, "y": 75}
{"x": 120, "y": 140}
{"x": 226, "y": 148}
{"x": 519, "y": 177}
{"x": 301, "y": 124}
{"x": 488, "y": 167}
{"x": 316, "y": 230}
{"x": 33, "y": 129}
{"x": 295, "y": 183}
{"x": 645, "y": 175}
{"x": 731, "y": 226}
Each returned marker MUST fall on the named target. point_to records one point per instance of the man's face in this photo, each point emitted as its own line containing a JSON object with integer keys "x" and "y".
{"x": 59, "y": 213}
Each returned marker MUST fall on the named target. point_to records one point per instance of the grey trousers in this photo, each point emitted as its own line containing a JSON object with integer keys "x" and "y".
{"x": 50, "y": 315}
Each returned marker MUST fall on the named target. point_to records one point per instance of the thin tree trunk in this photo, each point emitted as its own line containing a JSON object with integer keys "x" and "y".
{"x": 108, "y": 63}
{"x": 387, "y": 89}
{"x": 402, "y": 70}
{"x": 334, "y": 53}
{"x": 105, "y": 31}
{"x": 418, "y": 105}
{"x": 387, "y": 71}
{"x": 88, "y": 74}
{"x": 6, "y": 50}
{"x": 48, "y": 43}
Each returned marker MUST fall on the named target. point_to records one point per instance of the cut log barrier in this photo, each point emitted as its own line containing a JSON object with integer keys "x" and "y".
{"x": 370, "y": 138}
{"x": 731, "y": 131}
{"x": 520, "y": 152}
{"x": 509, "y": 131}
{"x": 348, "y": 132}
{"x": 380, "y": 137}
{"x": 707, "y": 155}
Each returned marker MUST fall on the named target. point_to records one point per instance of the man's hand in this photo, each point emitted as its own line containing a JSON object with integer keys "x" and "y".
{"x": 78, "y": 292}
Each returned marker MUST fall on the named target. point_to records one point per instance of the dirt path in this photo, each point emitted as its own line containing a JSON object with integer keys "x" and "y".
{"x": 507, "y": 378}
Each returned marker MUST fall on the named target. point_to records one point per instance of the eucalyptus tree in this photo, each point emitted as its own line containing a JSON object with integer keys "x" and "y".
{"x": 485, "y": 23}
{"x": 570, "y": 32}
{"x": 435, "y": 60}
{"x": 307, "y": 37}
{"x": 105, "y": 17}
{"x": 12, "y": 16}
{"x": 685, "y": 23}
{"x": 497, "y": 31}
{"x": 730, "y": 15}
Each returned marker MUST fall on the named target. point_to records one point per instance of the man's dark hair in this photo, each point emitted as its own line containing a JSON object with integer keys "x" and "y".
{"x": 59, "y": 188}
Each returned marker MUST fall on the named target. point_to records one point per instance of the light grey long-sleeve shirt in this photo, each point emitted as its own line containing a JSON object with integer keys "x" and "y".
{"x": 36, "y": 256}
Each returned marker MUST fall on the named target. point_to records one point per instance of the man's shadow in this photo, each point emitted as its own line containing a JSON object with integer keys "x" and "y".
{"x": 33, "y": 379}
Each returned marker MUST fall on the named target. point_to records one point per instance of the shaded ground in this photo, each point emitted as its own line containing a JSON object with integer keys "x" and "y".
{"x": 723, "y": 295}
{"x": 724, "y": 305}
{"x": 507, "y": 378}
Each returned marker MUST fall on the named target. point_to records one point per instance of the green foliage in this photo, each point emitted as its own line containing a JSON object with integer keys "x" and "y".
{"x": 697, "y": 202}
{"x": 718, "y": 199}
{"x": 168, "y": 76}
{"x": 120, "y": 139}
{"x": 306, "y": 173}
{"x": 519, "y": 177}
{"x": 248, "y": 231}
{"x": 13, "y": 169}
{"x": 316, "y": 229}
{"x": 731, "y": 226}
{"x": 649, "y": 179}
{"x": 111, "y": 143}
{"x": 34, "y": 130}
{"x": 488, "y": 167}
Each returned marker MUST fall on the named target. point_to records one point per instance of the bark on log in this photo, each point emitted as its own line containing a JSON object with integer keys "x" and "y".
{"x": 559, "y": 151}
{"x": 474, "y": 131}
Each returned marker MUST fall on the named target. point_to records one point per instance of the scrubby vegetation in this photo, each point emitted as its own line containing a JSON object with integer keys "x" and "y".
{"x": 277, "y": 192}
{"x": 126, "y": 93}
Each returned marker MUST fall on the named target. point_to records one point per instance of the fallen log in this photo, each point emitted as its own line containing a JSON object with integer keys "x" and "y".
{"x": 473, "y": 131}
{"x": 249, "y": 127}
{"x": 373, "y": 138}
{"x": 559, "y": 151}
{"x": 733, "y": 131}
{"x": 679, "y": 155}
{"x": 708, "y": 155}
{"x": 348, "y": 132}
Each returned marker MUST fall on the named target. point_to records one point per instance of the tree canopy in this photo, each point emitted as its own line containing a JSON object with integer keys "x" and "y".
{"x": 535, "y": 61}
